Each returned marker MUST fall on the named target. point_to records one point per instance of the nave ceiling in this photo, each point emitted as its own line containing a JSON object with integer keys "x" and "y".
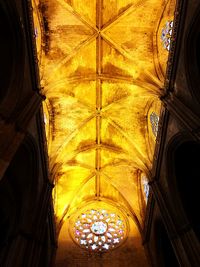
{"x": 102, "y": 68}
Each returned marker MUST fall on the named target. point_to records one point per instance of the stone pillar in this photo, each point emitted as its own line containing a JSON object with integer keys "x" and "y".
{"x": 183, "y": 240}
{"x": 40, "y": 225}
{"x": 12, "y": 132}
{"x": 25, "y": 249}
{"x": 183, "y": 114}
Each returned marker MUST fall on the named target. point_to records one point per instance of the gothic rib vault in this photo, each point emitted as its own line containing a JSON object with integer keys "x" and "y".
{"x": 102, "y": 67}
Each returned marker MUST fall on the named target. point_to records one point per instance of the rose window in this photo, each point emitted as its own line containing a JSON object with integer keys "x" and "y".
{"x": 99, "y": 230}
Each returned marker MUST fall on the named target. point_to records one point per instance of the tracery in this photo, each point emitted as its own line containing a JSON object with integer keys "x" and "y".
{"x": 99, "y": 230}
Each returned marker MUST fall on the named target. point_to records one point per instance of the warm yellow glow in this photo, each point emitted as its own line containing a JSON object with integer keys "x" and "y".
{"x": 99, "y": 226}
{"x": 102, "y": 67}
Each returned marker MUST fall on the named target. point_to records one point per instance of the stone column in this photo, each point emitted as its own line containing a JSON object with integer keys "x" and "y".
{"x": 12, "y": 132}
{"x": 183, "y": 240}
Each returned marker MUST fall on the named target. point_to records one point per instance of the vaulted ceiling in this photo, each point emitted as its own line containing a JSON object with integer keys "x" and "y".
{"x": 102, "y": 67}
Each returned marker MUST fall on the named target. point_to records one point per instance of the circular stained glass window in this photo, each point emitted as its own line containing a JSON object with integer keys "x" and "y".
{"x": 99, "y": 230}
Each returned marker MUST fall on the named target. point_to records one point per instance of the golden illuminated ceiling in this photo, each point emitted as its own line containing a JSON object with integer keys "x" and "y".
{"x": 102, "y": 68}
